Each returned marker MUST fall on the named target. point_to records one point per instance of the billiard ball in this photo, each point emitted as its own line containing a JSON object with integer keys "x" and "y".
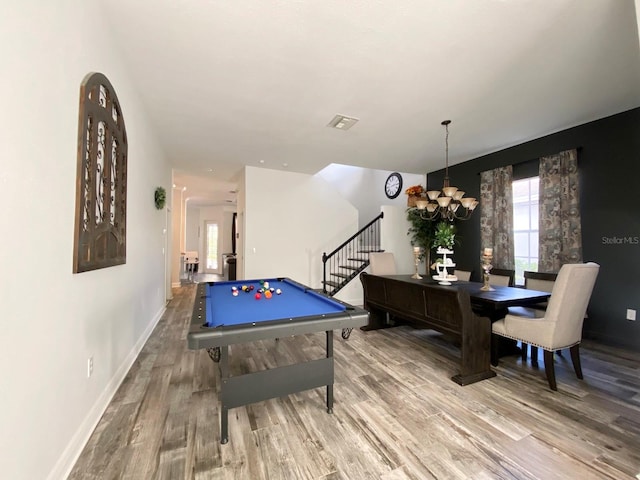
{"x": 278, "y": 291}
{"x": 267, "y": 294}
{"x": 235, "y": 293}
{"x": 266, "y": 285}
{"x": 234, "y": 289}
{"x": 258, "y": 296}
{"x": 251, "y": 287}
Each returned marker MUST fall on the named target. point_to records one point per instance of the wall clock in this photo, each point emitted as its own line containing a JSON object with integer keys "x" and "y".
{"x": 393, "y": 185}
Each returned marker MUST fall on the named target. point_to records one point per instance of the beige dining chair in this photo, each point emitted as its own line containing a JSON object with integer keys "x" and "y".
{"x": 463, "y": 275}
{"x": 382, "y": 263}
{"x": 502, "y": 277}
{"x": 560, "y": 325}
{"x": 543, "y": 282}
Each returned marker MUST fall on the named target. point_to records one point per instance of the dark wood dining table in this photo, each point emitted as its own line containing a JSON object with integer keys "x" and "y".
{"x": 397, "y": 298}
{"x": 493, "y": 303}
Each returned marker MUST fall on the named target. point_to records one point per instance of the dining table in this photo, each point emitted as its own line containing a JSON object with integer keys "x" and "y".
{"x": 422, "y": 302}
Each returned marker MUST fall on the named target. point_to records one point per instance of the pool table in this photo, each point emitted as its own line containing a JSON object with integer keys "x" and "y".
{"x": 221, "y": 319}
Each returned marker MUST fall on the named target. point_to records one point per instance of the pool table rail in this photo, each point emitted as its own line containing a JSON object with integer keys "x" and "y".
{"x": 202, "y": 336}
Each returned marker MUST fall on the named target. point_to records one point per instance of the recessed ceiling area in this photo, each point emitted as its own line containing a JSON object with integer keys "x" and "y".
{"x": 227, "y": 84}
{"x": 205, "y": 189}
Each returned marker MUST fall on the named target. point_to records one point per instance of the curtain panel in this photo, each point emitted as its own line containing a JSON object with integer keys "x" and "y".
{"x": 496, "y": 215}
{"x": 559, "y": 212}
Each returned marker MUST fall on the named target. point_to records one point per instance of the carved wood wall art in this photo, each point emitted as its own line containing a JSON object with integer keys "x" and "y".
{"x": 101, "y": 181}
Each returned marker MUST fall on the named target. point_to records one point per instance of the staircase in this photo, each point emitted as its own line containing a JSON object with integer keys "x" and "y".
{"x": 352, "y": 257}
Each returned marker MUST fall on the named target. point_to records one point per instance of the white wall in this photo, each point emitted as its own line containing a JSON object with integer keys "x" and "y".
{"x": 192, "y": 229}
{"x": 394, "y": 238}
{"x": 53, "y": 320}
{"x": 364, "y": 188}
{"x": 178, "y": 210}
{"x": 290, "y": 220}
{"x": 241, "y": 201}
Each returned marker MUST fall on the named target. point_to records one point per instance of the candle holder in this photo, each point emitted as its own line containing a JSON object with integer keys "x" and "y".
{"x": 486, "y": 268}
{"x": 416, "y": 258}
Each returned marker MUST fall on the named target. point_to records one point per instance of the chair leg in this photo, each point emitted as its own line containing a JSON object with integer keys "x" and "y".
{"x": 524, "y": 347}
{"x": 550, "y": 370}
{"x": 575, "y": 358}
{"x": 534, "y": 356}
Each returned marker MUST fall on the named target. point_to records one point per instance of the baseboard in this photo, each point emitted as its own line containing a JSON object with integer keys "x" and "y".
{"x": 72, "y": 452}
{"x": 176, "y": 285}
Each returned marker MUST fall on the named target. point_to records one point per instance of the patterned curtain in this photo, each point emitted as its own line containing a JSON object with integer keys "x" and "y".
{"x": 560, "y": 226}
{"x": 496, "y": 217}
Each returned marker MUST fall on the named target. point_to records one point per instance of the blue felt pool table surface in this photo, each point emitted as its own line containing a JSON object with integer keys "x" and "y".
{"x": 295, "y": 301}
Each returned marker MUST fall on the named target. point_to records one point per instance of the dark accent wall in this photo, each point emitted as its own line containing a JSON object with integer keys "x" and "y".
{"x": 609, "y": 164}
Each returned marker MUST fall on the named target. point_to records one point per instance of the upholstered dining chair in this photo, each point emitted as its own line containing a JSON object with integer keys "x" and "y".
{"x": 382, "y": 263}
{"x": 464, "y": 275}
{"x": 502, "y": 277}
{"x": 560, "y": 325}
{"x": 543, "y": 282}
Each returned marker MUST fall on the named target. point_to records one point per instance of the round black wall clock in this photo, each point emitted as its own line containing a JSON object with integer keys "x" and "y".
{"x": 393, "y": 185}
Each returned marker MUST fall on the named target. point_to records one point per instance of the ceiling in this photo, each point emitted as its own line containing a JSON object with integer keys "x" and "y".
{"x": 255, "y": 82}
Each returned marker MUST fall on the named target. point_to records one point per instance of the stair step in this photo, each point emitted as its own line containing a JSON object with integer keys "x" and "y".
{"x": 349, "y": 267}
{"x": 331, "y": 283}
{"x": 354, "y": 259}
{"x": 370, "y": 250}
{"x": 342, "y": 275}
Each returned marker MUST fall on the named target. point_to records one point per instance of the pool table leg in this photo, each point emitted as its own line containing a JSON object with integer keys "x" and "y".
{"x": 330, "y": 386}
{"x": 224, "y": 411}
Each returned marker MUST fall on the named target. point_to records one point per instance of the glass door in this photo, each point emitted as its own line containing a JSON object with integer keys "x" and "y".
{"x": 211, "y": 248}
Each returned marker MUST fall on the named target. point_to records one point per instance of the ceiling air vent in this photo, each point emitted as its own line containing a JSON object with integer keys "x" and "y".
{"x": 342, "y": 123}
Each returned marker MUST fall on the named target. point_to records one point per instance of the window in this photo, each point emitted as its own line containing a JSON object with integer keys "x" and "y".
{"x": 525, "y": 226}
{"x": 100, "y": 238}
{"x": 212, "y": 246}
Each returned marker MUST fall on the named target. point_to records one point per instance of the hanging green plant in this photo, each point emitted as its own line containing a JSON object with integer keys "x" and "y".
{"x": 160, "y": 197}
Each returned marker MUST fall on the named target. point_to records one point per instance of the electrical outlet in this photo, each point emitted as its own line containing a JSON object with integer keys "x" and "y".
{"x": 631, "y": 314}
{"x": 89, "y": 367}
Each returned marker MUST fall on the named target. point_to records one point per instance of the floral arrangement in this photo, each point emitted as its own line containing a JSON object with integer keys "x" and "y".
{"x": 416, "y": 190}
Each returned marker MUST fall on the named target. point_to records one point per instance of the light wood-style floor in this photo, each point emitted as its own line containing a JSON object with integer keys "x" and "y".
{"x": 396, "y": 414}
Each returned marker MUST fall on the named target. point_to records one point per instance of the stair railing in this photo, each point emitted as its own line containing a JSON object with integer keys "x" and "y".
{"x": 349, "y": 259}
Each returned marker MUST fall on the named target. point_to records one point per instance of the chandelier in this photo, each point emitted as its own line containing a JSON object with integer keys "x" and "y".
{"x": 448, "y": 203}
